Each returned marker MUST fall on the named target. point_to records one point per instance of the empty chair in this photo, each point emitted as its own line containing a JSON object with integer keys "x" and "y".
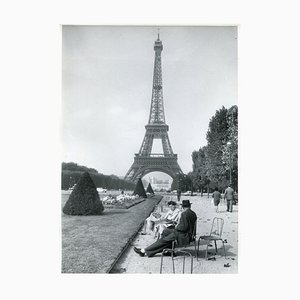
{"x": 173, "y": 253}
{"x": 214, "y": 236}
{"x": 176, "y": 249}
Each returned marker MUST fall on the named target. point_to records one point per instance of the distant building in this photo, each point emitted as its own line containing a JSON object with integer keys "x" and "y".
{"x": 157, "y": 184}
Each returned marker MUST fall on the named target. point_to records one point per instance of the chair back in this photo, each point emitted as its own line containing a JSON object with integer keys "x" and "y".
{"x": 217, "y": 227}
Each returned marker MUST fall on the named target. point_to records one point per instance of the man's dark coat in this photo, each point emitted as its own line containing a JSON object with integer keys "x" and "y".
{"x": 182, "y": 234}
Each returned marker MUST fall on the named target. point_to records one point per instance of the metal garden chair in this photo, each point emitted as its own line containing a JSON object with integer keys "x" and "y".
{"x": 179, "y": 249}
{"x": 214, "y": 236}
{"x": 172, "y": 251}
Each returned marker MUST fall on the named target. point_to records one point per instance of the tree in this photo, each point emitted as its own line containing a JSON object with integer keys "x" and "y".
{"x": 191, "y": 180}
{"x": 139, "y": 189}
{"x": 71, "y": 173}
{"x": 200, "y": 168}
{"x": 84, "y": 199}
{"x": 217, "y": 136}
{"x": 213, "y": 163}
{"x": 71, "y": 166}
{"x": 230, "y": 149}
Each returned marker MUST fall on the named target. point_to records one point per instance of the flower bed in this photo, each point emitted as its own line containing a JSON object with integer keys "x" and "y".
{"x": 121, "y": 201}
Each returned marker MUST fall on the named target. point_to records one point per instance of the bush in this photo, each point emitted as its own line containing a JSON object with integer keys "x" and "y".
{"x": 149, "y": 189}
{"x": 84, "y": 199}
{"x": 139, "y": 189}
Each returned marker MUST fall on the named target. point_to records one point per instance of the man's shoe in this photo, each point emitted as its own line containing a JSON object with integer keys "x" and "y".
{"x": 138, "y": 251}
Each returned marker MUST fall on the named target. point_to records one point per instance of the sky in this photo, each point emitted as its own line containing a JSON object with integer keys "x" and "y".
{"x": 107, "y": 74}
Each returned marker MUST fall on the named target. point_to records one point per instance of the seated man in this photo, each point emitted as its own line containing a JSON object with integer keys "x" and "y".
{"x": 162, "y": 220}
{"x": 182, "y": 233}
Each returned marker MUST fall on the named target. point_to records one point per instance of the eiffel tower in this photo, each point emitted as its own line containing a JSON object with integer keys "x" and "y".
{"x": 145, "y": 161}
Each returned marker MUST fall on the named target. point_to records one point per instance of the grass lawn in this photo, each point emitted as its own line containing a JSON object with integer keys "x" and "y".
{"x": 90, "y": 244}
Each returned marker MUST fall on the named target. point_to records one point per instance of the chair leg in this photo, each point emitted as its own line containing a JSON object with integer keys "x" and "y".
{"x": 224, "y": 249}
{"x": 216, "y": 246}
{"x": 173, "y": 265}
{"x": 161, "y": 263}
{"x": 156, "y": 233}
{"x": 185, "y": 253}
{"x": 206, "y": 251}
{"x": 162, "y": 257}
{"x": 198, "y": 246}
{"x": 158, "y": 236}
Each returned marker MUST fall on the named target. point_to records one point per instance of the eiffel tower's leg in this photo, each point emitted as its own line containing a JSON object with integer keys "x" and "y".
{"x": 166, "y": 144}
{"x": 130, "y": 173}
{"x": 146, "y": 145}
{"x": 136, "y": 170}
{"x": 176, "y": 169}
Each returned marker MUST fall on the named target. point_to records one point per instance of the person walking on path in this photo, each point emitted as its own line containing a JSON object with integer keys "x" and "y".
{"x": 228, "y": 195}
{"x": 178, "y": 195}
{"x": 182, "y": 233}
{"x": 216, "y": 198}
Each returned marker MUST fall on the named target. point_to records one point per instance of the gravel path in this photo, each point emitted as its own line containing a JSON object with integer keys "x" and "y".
{"x": 133, "y": 263}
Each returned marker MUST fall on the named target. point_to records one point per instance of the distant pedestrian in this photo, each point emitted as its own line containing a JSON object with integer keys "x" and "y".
{"x": 178, "y": 195}
{"x": 228, "y": 195}
{"x": 216, "y": 198}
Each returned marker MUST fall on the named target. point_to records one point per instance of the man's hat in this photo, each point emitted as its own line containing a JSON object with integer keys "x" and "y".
{"x": 186, "y": 203}
{"x": 172, "y": 203}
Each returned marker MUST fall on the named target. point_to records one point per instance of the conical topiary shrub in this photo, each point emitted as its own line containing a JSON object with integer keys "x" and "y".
{"x": 149, "y": 189}
{"x": 139, "y": 189}
{"x": 84, "y": 199}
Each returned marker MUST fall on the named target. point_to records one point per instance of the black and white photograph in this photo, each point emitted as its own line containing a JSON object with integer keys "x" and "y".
{"x": 150, "y": 149}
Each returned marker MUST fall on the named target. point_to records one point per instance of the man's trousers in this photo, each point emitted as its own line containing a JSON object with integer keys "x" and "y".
{"x": 229, "y": 205}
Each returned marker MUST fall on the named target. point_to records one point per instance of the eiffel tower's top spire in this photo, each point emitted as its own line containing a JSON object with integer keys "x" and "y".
{"x": 158, "y": 43}
{"x": 157, "y": 115}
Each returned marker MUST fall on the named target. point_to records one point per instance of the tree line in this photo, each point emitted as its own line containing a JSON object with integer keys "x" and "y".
{"x": 71, "y": 173}
{"x": 215, "y": 164}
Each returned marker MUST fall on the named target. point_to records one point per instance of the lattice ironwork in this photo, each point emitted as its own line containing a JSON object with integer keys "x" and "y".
{"x": 145, "y": 161}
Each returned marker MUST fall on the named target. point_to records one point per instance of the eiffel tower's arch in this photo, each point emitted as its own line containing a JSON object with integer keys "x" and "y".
{"x": 145, "y": 161}
{"x": 160, "y": 181}
{"x": 146, "y": 170}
